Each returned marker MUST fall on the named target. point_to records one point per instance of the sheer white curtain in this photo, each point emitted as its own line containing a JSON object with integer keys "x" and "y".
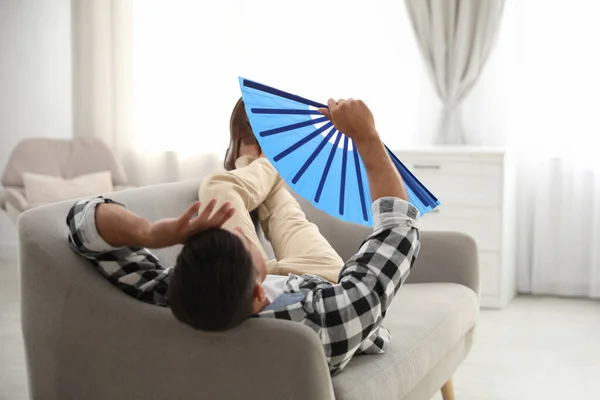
{"x": 539, "y": 97}
{"x": 455, "y": 37}
{"x": 102, "y": 71}
{"x": 103, "y": 92}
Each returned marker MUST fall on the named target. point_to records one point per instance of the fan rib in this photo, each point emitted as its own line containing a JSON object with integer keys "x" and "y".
{"x": 276, "y": 92}
{"x": 361, "y": 192}
{"x": 408, "y": 176}
{"x": 327, "y": 167}
{"x": 343, "y": 177}
{"x": 283, "y": 111}
{"x": 292, "y": 127}
{"x": 302, "y": 142}
{"x": 314, "y": 155}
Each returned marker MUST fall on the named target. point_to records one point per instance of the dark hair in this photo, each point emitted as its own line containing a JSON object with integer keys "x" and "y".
{"x": 212, "y": 285}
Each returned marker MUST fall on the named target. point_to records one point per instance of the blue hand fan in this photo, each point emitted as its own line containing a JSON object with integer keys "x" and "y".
{"x": 320, "y": 163}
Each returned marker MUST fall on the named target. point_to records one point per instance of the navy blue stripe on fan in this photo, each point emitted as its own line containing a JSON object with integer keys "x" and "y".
{"x": 409, "y": 180}
{"x": 314, "y": 155}
{"x": 291, "y": 127}
{"x": 426, "y": 197}
{"x": 283, "y": 111}
{"x": 327, "y": 167}
{"x": 361, "y": 192}
{"x": 343, "y": 177}
{"x": 268, "y": 89}
{"x": 302, "y": 142}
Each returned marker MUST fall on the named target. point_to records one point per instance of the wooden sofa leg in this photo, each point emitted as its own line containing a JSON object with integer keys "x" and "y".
{"x": 448, "y": 390}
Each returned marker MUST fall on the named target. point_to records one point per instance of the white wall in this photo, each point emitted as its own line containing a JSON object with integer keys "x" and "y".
{"x": 35, "y": 80}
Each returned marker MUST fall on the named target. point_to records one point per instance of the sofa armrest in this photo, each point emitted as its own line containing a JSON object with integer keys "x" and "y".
{"x": 118, "y": 188}
{"x": 16, "y": 199}
{"x": 447, "y": 257}
{"x": 85, "y": 339}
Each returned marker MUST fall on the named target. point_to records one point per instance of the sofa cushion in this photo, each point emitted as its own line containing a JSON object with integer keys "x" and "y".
{"x": 427, "y": 321}
{"x": 44, "y": 189}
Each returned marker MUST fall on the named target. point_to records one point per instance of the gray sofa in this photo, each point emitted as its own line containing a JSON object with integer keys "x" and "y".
{"x": 85, "y": 339}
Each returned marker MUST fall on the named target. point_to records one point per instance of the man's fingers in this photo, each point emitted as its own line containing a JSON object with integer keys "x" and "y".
{"x": 207, "y": 210}
{"x": 189, "y": 213}
{"x": 332, "y": 104}
{"x": 325, "y": 112}
{"x": 225, "y": 217}
{"x": 215, "y": 219}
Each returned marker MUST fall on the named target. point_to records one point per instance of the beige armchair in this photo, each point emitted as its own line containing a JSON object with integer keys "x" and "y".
{"x": 55, "y": 157}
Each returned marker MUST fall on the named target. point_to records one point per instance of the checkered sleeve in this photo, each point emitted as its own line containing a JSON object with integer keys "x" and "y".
{"x": 134, "y": 270}
{"x": 349, "y": 314}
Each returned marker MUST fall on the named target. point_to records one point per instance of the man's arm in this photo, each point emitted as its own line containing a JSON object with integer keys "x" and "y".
{"x": 384, "y": 179}
{"x": 120, "y": 227}
{"x": 348, "y": 313}
{"x": 115, "y": 240}
{"x": 351, "y": 311}
{"x": 134, "y": 270}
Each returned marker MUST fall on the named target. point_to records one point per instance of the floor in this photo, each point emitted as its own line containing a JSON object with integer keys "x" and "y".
{"x": 537, "y": 348}
{"x": 13, "y": 383}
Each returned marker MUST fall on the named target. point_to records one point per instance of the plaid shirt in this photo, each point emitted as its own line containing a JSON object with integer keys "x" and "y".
{"x": 347, "y": 316}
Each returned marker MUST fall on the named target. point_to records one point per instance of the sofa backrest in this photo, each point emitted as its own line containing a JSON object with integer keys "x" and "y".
{"x": 63, "y": 158}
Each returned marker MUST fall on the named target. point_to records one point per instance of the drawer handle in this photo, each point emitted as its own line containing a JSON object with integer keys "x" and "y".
{"x": 426, "y": 166}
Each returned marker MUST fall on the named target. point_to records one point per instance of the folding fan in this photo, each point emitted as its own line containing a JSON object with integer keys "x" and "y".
{"x": 320, "y": 163}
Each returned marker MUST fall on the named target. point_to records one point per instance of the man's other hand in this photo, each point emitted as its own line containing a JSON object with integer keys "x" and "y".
{"x": 353, "y": 118}
{"x": 170, "y": 231}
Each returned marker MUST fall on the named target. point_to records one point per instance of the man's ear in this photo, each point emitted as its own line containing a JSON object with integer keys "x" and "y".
{"x": 260, "y": 298}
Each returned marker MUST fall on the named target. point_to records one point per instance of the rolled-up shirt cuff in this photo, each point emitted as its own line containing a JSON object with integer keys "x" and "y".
{"x": 86, "y": 226}
{"x": 389, "y": 212}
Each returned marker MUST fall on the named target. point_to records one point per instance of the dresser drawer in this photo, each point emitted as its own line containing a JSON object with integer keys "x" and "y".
{"x": 489, "y": 273}
{"x": 459, "y": 183}
{"x": 483, "y": 225}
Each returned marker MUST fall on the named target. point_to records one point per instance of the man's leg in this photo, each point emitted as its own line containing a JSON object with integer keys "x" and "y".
{"x": 245, "y": 188}
{"x": 298, "y": 245}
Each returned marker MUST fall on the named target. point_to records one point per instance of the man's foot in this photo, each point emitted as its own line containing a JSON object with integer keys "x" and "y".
{"x": 247, "y": 154}
{"x": 242, "y": 139}
{"x": 251, "y": 150}
{"x": 242, "y": 143}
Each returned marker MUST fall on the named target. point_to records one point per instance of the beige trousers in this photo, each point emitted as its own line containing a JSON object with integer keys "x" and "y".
{"x": 298, "y": 245}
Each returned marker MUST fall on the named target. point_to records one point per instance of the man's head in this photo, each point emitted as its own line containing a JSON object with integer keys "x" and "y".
{"x": 216, "y": 282}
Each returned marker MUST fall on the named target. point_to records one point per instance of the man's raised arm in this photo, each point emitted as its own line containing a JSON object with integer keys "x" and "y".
{"x": 350, "y": 313}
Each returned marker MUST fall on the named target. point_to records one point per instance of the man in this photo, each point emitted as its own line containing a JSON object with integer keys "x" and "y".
{"x": 221, "y": 277}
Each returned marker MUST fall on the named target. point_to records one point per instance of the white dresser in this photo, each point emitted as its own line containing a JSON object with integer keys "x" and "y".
{"x": 475, "y": 187}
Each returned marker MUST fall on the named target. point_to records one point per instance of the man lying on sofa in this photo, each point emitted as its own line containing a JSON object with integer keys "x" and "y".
{"x": 221, "y": 277}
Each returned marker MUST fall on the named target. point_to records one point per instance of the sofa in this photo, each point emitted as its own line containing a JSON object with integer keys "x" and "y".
{"x": 85, "y": 339}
